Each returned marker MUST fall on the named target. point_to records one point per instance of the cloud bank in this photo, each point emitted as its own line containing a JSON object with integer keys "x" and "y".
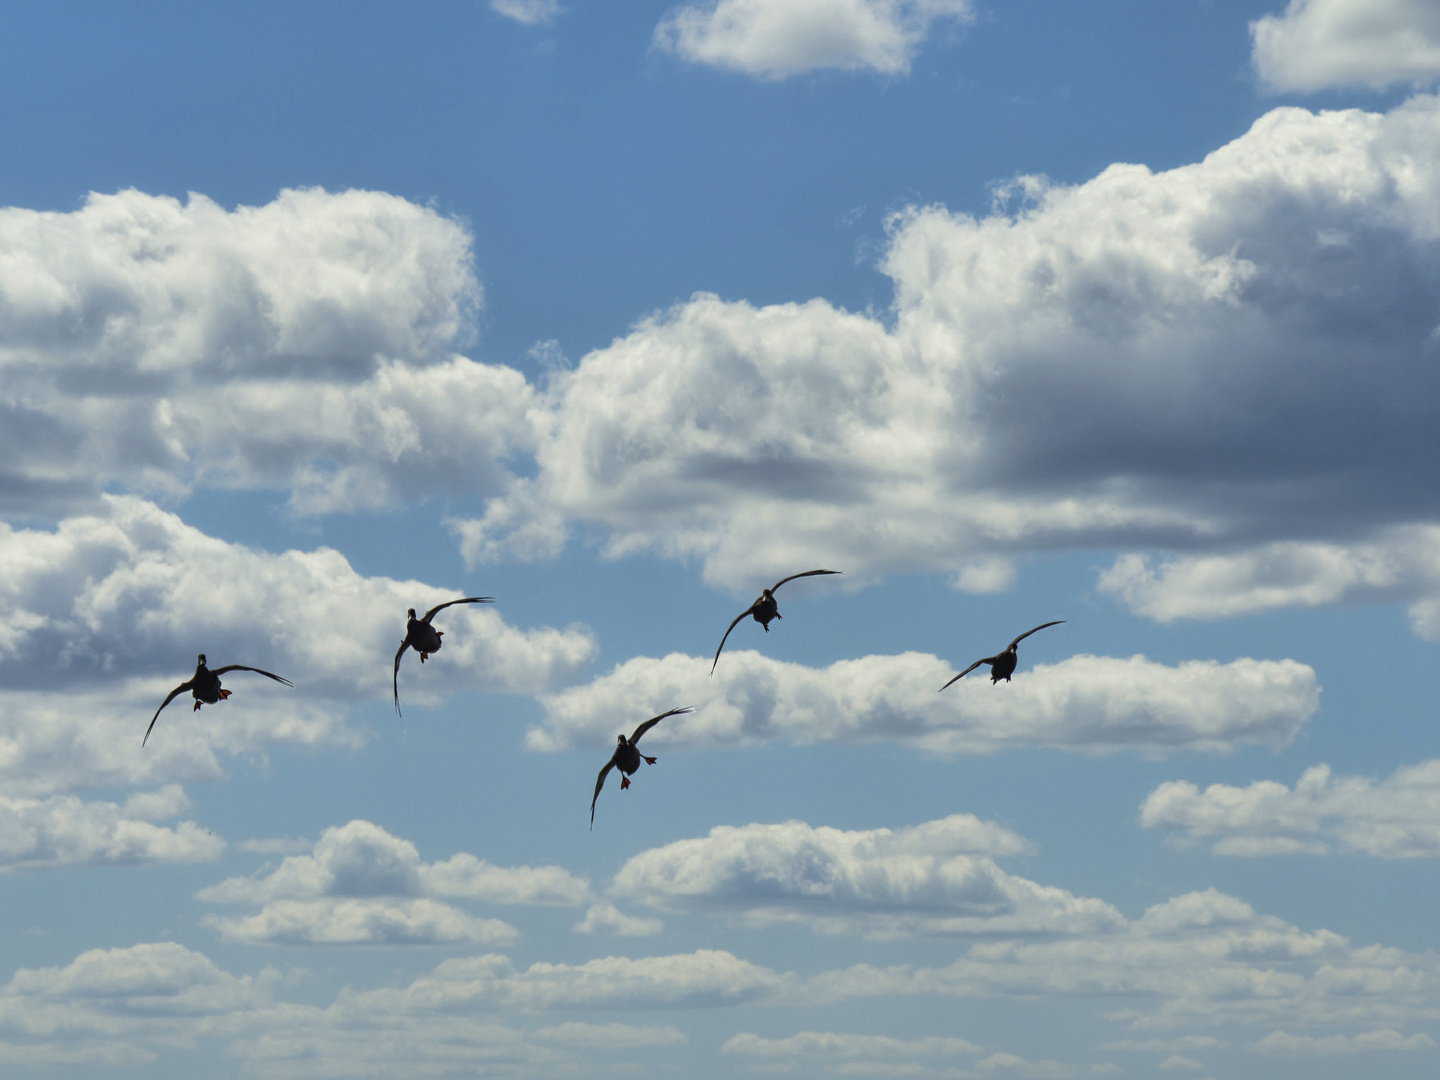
{"x": 1319, "y": 44}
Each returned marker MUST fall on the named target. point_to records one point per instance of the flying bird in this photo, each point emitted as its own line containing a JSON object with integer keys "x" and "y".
{"x": 764, "y": 609}
{"x": 1002, "y": 665}
{"x": 424, "y": 638}
{"x": 204, "y": 687}
{"x": 626, "y": 758}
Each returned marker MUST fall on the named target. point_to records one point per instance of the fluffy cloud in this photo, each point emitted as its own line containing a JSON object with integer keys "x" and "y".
{"x": 1145, "y": 360}
{"x": 302, "y": 344}
{"x": 880, "y": 883}
{"x": 361, "y": 885}
{"x": 62, "y": 830}
{"x": 606, "y": 918}
{"x": 1318, "y": 44}
{"x": 1395, "y": 818}
{"x": 773, "y": 39}
{"x": 1086, "y": 703}
{"x": 1282, "y": 1042}
{"x": 134, "y": 591}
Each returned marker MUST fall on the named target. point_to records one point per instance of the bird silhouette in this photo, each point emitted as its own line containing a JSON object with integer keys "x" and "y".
{"x": 626, "y": 758}
{"x": 204, "y": 687}
{"x": 763, "y": 609}
{"x": 1002, "y": 664}
{"x": 424, "y": 638}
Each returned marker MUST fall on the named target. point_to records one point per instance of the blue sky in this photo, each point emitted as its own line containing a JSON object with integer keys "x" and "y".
{"x": 1121, "y": 314}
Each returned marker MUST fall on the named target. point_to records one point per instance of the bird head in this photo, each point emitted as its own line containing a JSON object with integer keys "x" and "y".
{"x": 201, "y": 659}
{"x": 410, "y": 612}
{"x": 620, "y": 739}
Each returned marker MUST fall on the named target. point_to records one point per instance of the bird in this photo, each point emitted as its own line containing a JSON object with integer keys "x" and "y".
{"x": 1002, "y": 665}
{"x": 424, "y": 638}
{"x": 626, "y": 758}
{"x": 763, "y": 609}
{"x": 204, "y": 687}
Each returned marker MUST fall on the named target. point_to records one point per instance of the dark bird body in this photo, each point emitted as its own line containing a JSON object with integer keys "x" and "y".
{"x": 763, "y": 609}
{"x": 424, "y": 638}
{"x": 204, "y": 687}
{"x": 627, "y": 757}
{"x": 1002, "y": 665}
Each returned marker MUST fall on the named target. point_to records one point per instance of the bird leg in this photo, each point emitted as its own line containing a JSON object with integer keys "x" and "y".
{"x": 424, "y": 656}
{"x": 624, "y": 782}
{"x": 224, "y": 694}
{"x": 648, "y": 760}
{"x": 197, "y": 707}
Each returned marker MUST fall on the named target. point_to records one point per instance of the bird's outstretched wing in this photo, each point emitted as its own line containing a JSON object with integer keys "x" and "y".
{"x": 648, "y": 724}
{"x": 748, "y": 611}
{"x": 186, "y": 685}
{"x": 395, "y": 676}
{"x": 972, "y": 667}
{"x": 466, "y": 600}
{"x": 242, "y": 667}
{"x": 1027, "y": 633}
{"x": 807, "y": 573}
{"x": 599, "y": 783}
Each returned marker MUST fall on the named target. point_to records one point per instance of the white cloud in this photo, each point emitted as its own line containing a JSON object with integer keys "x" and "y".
{"x": 62, "y": 831}
{"x": 303, "y": 344}
{"x": 361, "y": 885}
{"x": 383, "y": 921}
{"x": 773, "y": 39}
{"x": 1318, "y": 44}
{"x": 135, "y": 590}
{"x": 1395, "y": 818}
{"x": 844, "y": 1044}
{"x": 528, "y": 12}
{"x": 1085, "y": 703}
{"x": 1282, "y": 1042}
{"x": 879, "y": 883}
{"x": 606, "y": 1036}
{"x": 1113, "y": 364}
{"x": 606, "y": 918}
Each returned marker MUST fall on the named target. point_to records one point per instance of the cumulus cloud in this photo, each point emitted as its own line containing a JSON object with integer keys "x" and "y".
{"x": 362, "y": 885}
{"x": 63, "y": 831}
{"x": 1282, "y": 1042}
{"x": 880, "y": 883}
{"x": 304, "y": 345}
{"x": 1395, "y": 818}
{"x": 606, "y": 918}
{"x": 773, "y": 39}
{"x": 1085, "y": 703}
{"x": 1319, "y": 44}
{"x": 131, "y": 590}
{"x": 1142, "y": 361}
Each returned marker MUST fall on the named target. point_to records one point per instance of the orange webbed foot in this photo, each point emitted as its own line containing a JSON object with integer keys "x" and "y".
{"x": 224, "y": 694}
{"x": 649, "y": 760}
{"x": 197, "y": 707}
{"x": 424, "y": 656}
{"x": 624, "y": 782}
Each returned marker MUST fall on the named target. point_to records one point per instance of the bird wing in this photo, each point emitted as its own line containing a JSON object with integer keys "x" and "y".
{"x": 242, "y": 667}
{"x": 1027, "y": 633}
{"x": 807, "y": 573}
{"x": 395, "y": 677}
{"x": 186, "y": 685}
{"x": 748, "y": 611}
{"x": 599, "y": 783}
{"x": 466, "y": 600}
{"x": 969, "y": 669}
{"x": 648, "y": 724}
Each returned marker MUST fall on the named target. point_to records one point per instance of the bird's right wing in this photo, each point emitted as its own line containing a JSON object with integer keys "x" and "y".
{"x": 807, "y": 573}
{"x": 186, "y": 685}
{"x": 395, "y": 677}
{"x": 465, "y": 600}
{"x": 967, "y": 671}
{"x": 599, "y": 783}
{"x": 242, "y": 667}
{"x": 748, "y": 611}
{"x": 648, "y": 724}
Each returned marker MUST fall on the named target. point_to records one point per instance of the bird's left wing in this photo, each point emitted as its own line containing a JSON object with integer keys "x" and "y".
{"x": 242, "y": 667}
{"x": 186, "y": 685}
{"x": 967, "y": 671}
{"x": 599, "y": 783}
{"x": 648, "y": 724}
{"x": 395, "y": 675}
{"x": 748, "y": 611}
{"x": 466, "y": 600}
